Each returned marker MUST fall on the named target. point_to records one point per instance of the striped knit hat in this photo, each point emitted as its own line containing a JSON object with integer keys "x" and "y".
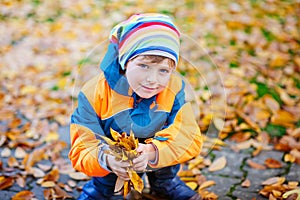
{"x": 146, "y": 34}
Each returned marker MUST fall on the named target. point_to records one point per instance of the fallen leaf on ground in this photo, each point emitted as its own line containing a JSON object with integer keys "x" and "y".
{"x": 23, "y": 195}
{"x": 217, "y": 164}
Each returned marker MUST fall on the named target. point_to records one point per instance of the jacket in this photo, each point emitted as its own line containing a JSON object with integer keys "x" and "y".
{"x": 106, "y": 101}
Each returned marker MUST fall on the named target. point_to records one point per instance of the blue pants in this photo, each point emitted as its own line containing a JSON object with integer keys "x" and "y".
{"x": 163, "y": 181}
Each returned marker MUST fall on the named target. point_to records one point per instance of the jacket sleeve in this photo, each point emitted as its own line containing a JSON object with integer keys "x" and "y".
{"x": 87, "y": 150}
{"x": 181, "y": 140}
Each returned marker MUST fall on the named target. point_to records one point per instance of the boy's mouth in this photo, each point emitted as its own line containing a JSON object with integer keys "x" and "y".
{"x": 149, "y": 88}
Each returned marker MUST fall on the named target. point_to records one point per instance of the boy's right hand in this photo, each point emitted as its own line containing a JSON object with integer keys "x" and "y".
{"x": 118, "y": 167}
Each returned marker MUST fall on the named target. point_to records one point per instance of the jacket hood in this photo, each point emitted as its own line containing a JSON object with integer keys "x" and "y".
{"x": 111, "y": 69}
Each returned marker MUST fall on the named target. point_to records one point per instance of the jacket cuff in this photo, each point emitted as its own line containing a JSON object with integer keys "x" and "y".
{"x": 102, "y": 157}
{"x": 154, "y": 162}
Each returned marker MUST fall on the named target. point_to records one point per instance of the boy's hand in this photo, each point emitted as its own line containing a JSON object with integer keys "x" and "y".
{"x": 147, "y": 153}
{"x": 118, "y": 167}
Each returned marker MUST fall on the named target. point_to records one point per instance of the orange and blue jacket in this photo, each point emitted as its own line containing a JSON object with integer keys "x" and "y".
{"x": 106, "y": 101}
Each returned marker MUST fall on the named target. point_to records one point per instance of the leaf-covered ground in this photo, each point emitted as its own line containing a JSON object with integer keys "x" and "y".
{"x": 242, "y": 59}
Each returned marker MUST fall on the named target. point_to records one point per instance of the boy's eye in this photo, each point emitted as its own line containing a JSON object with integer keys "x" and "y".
{"x": 165, "y": 71}
{"x": 143, "y": 66}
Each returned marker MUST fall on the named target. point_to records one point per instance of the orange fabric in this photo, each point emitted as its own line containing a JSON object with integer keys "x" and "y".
{"x": 184, "y": 137}
{"x": 103, "y": 99}
{"x": 84, "y": 151}
{"x": 184, "y": 140}
{"x": 165, "y": 99}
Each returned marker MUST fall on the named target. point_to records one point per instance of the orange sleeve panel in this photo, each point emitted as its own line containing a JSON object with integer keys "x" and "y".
{"x": 184, "y": 139}
{"x": 84, "y": 151}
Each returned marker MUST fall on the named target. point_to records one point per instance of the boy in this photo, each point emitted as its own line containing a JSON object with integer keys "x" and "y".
{"x": 137, "y": 92}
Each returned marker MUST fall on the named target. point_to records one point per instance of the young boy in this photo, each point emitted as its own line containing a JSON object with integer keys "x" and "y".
{"x": 137, "y": 92}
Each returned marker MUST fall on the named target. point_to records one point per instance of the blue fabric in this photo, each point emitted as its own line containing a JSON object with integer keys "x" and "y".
{"x": 86, "y": 116}
{"x": 110, "y": 66}
{"x": 163, "y": 181}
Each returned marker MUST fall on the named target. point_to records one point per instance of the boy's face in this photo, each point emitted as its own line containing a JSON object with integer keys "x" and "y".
{"x": 147, "y": 78}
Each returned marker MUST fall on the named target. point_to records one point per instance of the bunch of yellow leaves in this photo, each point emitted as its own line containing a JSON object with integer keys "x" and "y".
{"x": 123, "y": 147}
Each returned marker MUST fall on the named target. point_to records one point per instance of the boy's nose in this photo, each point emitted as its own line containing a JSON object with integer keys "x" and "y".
{"x": 152, "y": 77}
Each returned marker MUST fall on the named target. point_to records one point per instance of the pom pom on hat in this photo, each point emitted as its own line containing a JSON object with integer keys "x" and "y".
{"x": 146, "y": 34}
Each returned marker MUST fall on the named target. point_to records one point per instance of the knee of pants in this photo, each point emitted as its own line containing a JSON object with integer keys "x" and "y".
{"x": 164, "y": 173}
{"x": 99, "y": 188}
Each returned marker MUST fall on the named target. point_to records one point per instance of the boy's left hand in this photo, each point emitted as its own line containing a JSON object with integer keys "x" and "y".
{"x": 146, "y": 153}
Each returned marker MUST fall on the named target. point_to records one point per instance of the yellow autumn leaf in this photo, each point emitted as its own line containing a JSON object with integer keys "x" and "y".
{"x": 61, "y": 83}
{"x": 115, "y": 135}
{"x": 126, "y": 188}
{"x": 28, "y": 89}
{"x": 217, "y": 164}
{"x": 274, "y": 180}
{"x": 284, "y": 118}
{"x": 219, "y": 123}
{"x": 48, "y": 184}
{"x": 289, "y": 158}
{"x": 12, "y": 162}
{"x": 23, "y": 195}
{"x": 206, "y": 184}
{"x": 295, "y": 191}
{"x": 79, "y": 176}
{"x": 51, "y": 136}
{"x": 196, "y": 161}
{"x": 192, "y": 185}
{"x": 278, "y": 60}
{"x": 136, "y": 180}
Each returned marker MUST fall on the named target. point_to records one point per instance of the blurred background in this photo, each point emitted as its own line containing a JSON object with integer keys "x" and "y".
{"x": 242, "y": 59}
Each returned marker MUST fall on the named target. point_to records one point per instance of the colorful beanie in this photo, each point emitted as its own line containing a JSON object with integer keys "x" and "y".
{"x": 146, "y": 34}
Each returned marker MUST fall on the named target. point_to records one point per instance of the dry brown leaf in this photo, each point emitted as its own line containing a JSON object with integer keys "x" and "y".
{"x": 79, "y": 176}
{"x": 217, "y": 164}
{"x": 21, "y": 181}
{"x": 249, "y": 121}
{"x": 6, "y": 182}
{"x": 119, "y": 184}
{"x": 12, "y": 162}
{"x": 68, "y": 188}
{"x": 274, "y": 180}
{"x": 196, "y": 161}
{"x": 206, "y": 195}
{"x": 48, "y": 193}
{"x": 246, "y": 183}
{"x": 71, "y": 183}
{"x": 255, "y": 165}
{"x": 206, "y": 184}
{"x": 37, "y": 173}
{"x": 284, "y": 118}
{"x": 48, "y": 184}
{"x": 271, "y": 103}
{"x": 53, "y": 175}
{"x": 2, "y": 139}
{"x": 20, "y": 152}
{"x": 241, "y": 137}
{"x": 44, "y": 167}
{"x": 272, "y": 163}
{"x": 23, "y": 195}
{"x": 30, "y": 159}
{"x": 6, "y": 152}
{"x": 60, "y": 193}
{"x": 219, "y": 123}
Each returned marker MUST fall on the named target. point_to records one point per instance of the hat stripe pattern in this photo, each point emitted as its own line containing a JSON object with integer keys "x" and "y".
{"x": 147, "y": 34}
